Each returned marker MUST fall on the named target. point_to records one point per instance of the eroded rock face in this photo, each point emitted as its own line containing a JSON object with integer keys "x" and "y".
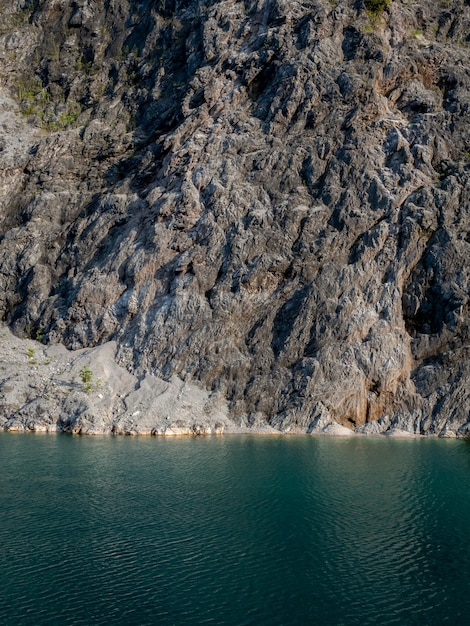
{"x": 269, "y": 199}
{"x": 50, "y": 389}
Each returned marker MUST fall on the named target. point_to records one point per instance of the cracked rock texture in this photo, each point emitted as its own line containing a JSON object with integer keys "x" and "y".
{"x": 266, "y": 201}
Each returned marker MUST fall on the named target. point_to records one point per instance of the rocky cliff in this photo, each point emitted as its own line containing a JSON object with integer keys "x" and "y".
{"x": 267, "y": 200}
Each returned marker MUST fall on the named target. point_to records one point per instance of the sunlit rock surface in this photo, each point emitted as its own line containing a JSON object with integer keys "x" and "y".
{"x": 266, "y": 202}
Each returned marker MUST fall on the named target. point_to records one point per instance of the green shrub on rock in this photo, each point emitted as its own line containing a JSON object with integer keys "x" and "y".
{"x": 375, "y": 7}
{"x": 86, "y": 376}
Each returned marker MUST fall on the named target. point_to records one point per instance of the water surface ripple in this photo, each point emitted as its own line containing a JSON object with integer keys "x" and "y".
{"x": 233, "y": 530}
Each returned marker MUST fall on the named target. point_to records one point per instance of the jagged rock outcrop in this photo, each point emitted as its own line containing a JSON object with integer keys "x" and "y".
{"x": 268, "y": 199}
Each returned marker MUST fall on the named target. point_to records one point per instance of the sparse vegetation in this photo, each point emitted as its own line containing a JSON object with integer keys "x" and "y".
{"x": 21, "y": 17}
{"x": 40, "y": 333}
{"x": 86, "y": 376}
{"x": 376, "y": 7}
{"x": 28, "y": 89}
{"x": 35, "y": 100}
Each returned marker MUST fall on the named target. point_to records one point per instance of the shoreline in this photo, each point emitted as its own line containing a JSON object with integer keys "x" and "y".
{"x": 186, "y": 432}
{"x": 86, "y": 392}
{"x": 387, "y": 435}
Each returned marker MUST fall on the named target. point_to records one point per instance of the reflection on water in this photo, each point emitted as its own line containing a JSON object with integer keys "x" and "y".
{"x": 233, "y": 530}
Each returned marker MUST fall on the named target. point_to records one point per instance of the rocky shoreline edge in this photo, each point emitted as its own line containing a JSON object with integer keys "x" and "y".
{"x": 51, "y": 389}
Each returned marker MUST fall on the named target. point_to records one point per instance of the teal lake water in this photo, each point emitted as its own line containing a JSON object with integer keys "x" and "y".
{"x": 233, "y": 530}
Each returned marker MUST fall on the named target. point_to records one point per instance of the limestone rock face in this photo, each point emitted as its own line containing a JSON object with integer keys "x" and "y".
{"x": 266, "y": 199}
{"x": 43, "y": 389}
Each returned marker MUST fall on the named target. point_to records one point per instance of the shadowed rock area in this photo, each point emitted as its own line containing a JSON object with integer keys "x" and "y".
{"x": 266, "y": 202}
